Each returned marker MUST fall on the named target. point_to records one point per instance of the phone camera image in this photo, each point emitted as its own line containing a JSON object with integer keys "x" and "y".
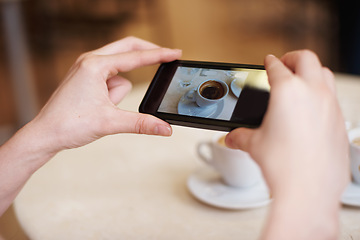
{"x": 212, "y": 90}
{"x": 187, "y": 76}
{"x": 213, "y": 93}
{"x": 229, "y": 94}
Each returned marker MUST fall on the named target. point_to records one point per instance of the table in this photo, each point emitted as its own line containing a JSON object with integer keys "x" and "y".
{"x": 134, "y": 187}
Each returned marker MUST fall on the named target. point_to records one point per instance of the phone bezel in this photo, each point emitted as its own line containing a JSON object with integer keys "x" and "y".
{"x": 160, "y": 83}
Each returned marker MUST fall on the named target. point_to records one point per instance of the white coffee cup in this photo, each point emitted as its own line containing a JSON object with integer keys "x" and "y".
{"x": 354, "y": 134}
{"x": 236, "y": 167}
{"x": 209, "y": 92}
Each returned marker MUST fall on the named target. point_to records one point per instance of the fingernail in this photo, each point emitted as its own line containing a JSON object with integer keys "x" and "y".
{"x": 229, "y": 142}
{"x": 162, "y": 130}
{"x": 173, "y": 49}
{"x": 177, "y": 50}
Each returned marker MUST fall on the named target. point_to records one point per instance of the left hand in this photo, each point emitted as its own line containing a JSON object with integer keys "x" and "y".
{"x": 84, "y": 109}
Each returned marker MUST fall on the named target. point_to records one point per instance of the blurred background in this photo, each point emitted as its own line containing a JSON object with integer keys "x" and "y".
{"x": 40, "y": 39}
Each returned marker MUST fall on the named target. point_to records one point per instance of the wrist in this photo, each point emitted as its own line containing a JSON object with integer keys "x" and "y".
{"x": 31, "y": 148}
{"x": 20, "y": 157}
{"x": 298, "y": 216}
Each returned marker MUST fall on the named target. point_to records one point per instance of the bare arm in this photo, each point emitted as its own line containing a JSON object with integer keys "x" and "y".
{"x": 20, "y": 157}
{"x": 82, "y": 110}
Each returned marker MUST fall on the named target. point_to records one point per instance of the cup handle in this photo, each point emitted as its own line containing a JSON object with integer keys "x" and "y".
{"x": 190, "y": 95}
{"x": 203, "y": 156}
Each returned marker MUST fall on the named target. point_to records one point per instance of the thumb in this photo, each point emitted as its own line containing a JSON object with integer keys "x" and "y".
{"x": 240, "y": 138}
{"x": 132, "y": 122}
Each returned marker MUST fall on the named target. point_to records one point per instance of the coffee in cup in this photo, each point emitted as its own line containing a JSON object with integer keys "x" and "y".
{"x": 212, "y": 90}
{"x": 236, "y": 167}
{"x": 221, "y": 141}
{"x": 208, "y": 93}
{"x": 354, "y": 139}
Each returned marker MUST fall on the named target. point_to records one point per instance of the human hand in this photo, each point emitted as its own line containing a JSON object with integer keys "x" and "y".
{"x": 302, "y": 139}
{"x": 301, "y": 147}
{"x": 83, "y": 108}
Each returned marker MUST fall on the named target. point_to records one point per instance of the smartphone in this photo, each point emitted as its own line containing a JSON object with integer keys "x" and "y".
{"x": 208, "y": 95}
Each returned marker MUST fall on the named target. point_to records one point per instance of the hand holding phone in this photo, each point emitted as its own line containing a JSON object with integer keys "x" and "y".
{"x": 209, "y": 95}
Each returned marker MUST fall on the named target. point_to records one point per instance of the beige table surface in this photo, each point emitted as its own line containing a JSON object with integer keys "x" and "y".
{"x": 134, "y": 187}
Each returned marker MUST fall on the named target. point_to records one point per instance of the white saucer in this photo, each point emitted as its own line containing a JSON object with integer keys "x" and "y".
{"x": 205, "y": 184}
{"x": 188, "y": 107}
{"x": 235, "y": 88}
{"x": 351, "y": 196}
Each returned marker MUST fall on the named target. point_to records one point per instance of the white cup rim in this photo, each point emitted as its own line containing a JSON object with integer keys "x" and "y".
{"x": 215, "y": 141}
{"x": 352, "y": 134}
{"x": 216, "y": 80}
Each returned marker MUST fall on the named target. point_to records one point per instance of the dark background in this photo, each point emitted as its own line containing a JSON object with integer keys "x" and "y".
{"x": 56, "y": 32}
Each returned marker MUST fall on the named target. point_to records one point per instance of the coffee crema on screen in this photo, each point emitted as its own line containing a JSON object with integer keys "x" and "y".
{"x": 212, "y": 90}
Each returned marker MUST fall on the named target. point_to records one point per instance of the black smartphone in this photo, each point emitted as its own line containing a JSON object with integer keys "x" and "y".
{"x": 208, "y": 95}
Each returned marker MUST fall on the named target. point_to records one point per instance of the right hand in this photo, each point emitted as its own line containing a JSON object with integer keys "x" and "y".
{"x": 302, "y": 141}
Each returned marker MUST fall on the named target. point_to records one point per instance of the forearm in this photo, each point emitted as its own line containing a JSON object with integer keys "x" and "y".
{"x": 300, "y": 217}
{"x": 20, "y": 157}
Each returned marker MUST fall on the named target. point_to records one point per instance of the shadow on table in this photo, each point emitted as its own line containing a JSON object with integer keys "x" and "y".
{"x": 10, "y": 227}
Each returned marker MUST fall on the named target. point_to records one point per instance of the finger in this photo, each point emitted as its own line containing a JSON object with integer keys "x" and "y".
{"x": 118, "y": 88}
{"x": 131, "y": 122}
{"x": 124, "y": 45}
{"x": 240, "y": 139}
{"x": 276, "y": 70}
{"x": 329, "y": 79}
{"x": 128, "y": 61}
{"x": 305, "y": 64}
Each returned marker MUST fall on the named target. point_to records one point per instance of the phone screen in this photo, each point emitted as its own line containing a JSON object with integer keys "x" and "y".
{"x": 225, "y": 104}
{"x": 214, "y": 95}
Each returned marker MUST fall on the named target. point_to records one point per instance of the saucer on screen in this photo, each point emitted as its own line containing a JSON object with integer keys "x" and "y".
{"x": 351, "y": 196}
{"x": 205, "y": 184}
{"x": 235, "y": 88}
{"x": 188, "y": 107}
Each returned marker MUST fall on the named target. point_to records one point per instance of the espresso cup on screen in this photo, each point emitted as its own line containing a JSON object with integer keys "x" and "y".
{"x": 236, "y": 167}
{"x": 354, "y": 139}
{"x": 211, "y": 92}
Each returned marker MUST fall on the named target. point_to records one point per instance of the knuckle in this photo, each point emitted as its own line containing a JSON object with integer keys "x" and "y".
{"x": 164, "y": 52}
{"x": 82, "y": 57}
{"x": 140, "y": 125}
{"x": 306, "y": 53}
{"x": 131, "y": 38}
{"x": 88, "y": 61}
{"x": 328, "y": 72}
{"x": 132, "y": 42}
